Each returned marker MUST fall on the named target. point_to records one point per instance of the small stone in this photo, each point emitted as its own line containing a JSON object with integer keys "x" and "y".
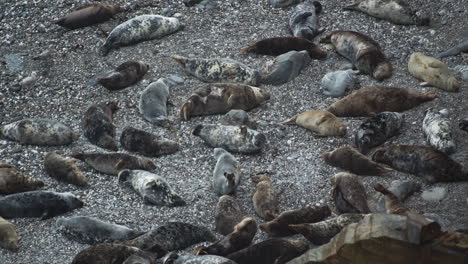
{"x": 178, "y": 15}
{"x": 434, "y": 194}
{"x": 29, "y": 81}
{"x": 167, "y": 12}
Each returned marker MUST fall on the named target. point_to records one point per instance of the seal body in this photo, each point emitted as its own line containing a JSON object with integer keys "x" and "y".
{"x": 433, "y": 72}
{"x": 125, "y": 75}
{"x": 320, "y": 122}
{"x": 112, "y": 163}
{"x": 90, "y": 230}
{"x": 227, "y": 215}
{"x": 433, "y": 166}
{"x": 375, "y": 99}
{"x": 147, "y": 144}
{"x": 105, "y": 254}
{"x": 349, "y": 194}
{"x": 336, "y": 83}
{"x": 219, "y": 98}
{"x": 285, "y": 67}
{"x": 173, "y": 258}
{"x": 226, "y": 175}
{"x": 44, "y": 204}
{"x": 64, "y": 169}
{"x": 401, "y": 189}
{"x": 457, "y": 49}
{"x": 238, "y": 139}
{"x": 264, "y": 199}
{"x": 98, "y": 126}
{"x": 41, "y": 132}
{"x": 219, "y": 70}
{"x": 392, "y": 203}
{"x": 303, "y": 21}
{"x": 8, "y": 237}
{"x": 375, "y": 130}
{"x": 153, "y": 188}
{"x": 138, "y": 29}
{"x": 363, "y": 52}
{"x": 238, "y": 118}
{"x": 14, "y": 181}
{"x": 88, "y": 15}
{"x": 438, "y": 132}
{"x": 153, "y": 102}
{"x": 280, "y": 45}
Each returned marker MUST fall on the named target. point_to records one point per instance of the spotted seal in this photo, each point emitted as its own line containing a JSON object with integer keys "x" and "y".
{"x": 320, "y": 122}
{"x": 106, "y": 254}
{"x": 98, "y": 126}
{"x": 457, "y": 49}
{"x": 219, "y": 98}
{"x": 13, "y": 180}
{"x": 173, "y": 258}
{"x": 401, "y": 189}
{"x": 280, "y": 45}
{"x": 286, "y": 67}
{"x": 125, "y": 75}
{"x": 226, "y": 174}
{"x": 349, "y": 194}
{"x": 264, "y": 199}
{"x": 8, "y": 237}
{"x": 153, "y": 188}
{"x": 147, "y": 144}
{"x": 37, "y": 131}
{"x": 303, "y": 21}
{"x": 371, "y": 100}
{"x": 64, "y": 169}
{"x": 88, "y": 15}
{"x": 138, "y": 29}
{"x": 437, "y": 129}
{"x": 153, "y": 102}
{"x": 44, "y": 204}
{"x": 363, "y": 52}
{"x": 336, "y": 83}
{"x": 227, "y": 214}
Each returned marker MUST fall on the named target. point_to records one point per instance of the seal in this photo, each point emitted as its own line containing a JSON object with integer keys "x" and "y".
{"x": 392, "y": 203}
{"x": 8, "y": 237}
{"x": 238, "y": 118}
{"x": 437, "y": 129}
{"x": 336, "y": 83}
{"x": 433, "y": 72}
{"x": 141, "y": 258}
{"x": 371, "y": 100}
{"x": 226, "y": 175}
{"x": 173, "y": 258}
{"x": 41, "y": 132}
{"x": 238, "y": 139}
{"x": 286, "y": 67}
{"x": 320, "y": 122}
{"x": 280, "y": 45}
{"x": 113, "y": 162}
{"x": 153, "y": 188}
{"x": 138, "y": 29}
{"x": 90, "y": 230}
{"x": 264, "y": 199}
{"x": 125, "y": 75}
{"x": 375, "y": 130}
{"x": 147, "y": 144}
{"x": 395, "y": 11}
{"x": 153, "y": 102}
{"x": 322, "y": 232}
{"x": 98, "y": 126}
{"x": 350, "y": 159}
{"x": 303, "y": 21}
{"x": 457, "y": 49}
{"x": 227, "y": 215}
{"x": 401, "y": 189}
{"x": 64, "y": 169}
{"x": 283, "y": 3}
{"x": 218, "y": 70}
{"x": 106, "y": 254}
{"x": 349, "y": 194}
{"x": 363, "y": 52}
{"x": 240, "y": 238}
{"x": 274, "y": 250}
{"x": 280, "y": 225}
{"x": 220, "y": 98}
{"x": 88, "y": 15}
{"x": 422, "y": 161}
{"x": 44, "y": 204}
{"x": 14, "y": 181}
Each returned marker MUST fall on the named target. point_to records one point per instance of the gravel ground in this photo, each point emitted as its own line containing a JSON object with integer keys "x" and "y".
{"x": 292, "y": 154}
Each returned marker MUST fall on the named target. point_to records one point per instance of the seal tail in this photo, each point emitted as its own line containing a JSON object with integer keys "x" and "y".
{"x": 77, "y": 155}
{"x": 178, "y": 59}
{"x": 248, "y": 49}
{"x": 291, "y": 121}
{"x": 58, "y": 21}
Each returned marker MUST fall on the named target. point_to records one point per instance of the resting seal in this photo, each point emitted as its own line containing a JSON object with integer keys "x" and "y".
{"x": 64, "y": 169}
{"x": 303, "y": 21}
{"x": 280, "y": 45}
{"x": 226, "y": 175}
{"x": 153, "y": 102}
{"x": 349, "y": 194}
{"x": 264, "y": 199}
{"x": 285, "y": 67}
{"x": 8, "y": 237}
{"x": 227, "y": 215}
{"x": 401, "y": 189}
{"x": 321, "y": 123}
{"x": 173, "y": 258}
{"x": 147, "y": 144}
{"x": 125, "y": 75}
{"x": 438, "y": 131}
{"x": 13, "y": 181}
{"x": 88, "y": 15}
{"x": 98, "y": 126}
{"x": 106, "y": 254}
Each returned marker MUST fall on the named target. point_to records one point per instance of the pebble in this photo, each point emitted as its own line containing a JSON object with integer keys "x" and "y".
{"x": 434, "y": 194}
{"x": 14, "y": 62}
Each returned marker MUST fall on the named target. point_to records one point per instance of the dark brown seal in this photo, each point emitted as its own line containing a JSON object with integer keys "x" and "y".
{"x": 349, "y": 194}
{"x": 126, "y": 74}
{"x": 64, "y": 169}
{"x": 106, "y": 254}
{"x": 98, "y": 126}
{"x": 147, "y": 144}
{"x": 228, "y": 214}
{"x": 280, "y": 45}
{"x": 14, "y": 181}
{"x": 264, "y": 198}
{"x": 88, "y": 15}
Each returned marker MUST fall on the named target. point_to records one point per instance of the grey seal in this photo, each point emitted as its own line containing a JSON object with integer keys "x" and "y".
{"x": 88, "y": 15}
{"x": 303, "y": 21}
{"x": 437, "y": 129}
{"x": 173, "y": 258}
{"x": 349, "y": 194}
{"x": 226, "y": 174}
{"x": 146, "y": 143}
{"x": 153, "y": 102}
{"x": 125, "y": 75}
{"x": 285, "y": 67}
{"x": 64, "y": 169}
{"x": 336, "y": 83}
{"x": 13, "y": 180}
{"x": 228, "y": 213}
{"x": 98, "y": 125}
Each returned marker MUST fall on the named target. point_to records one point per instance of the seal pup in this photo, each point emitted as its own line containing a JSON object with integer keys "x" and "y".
{"x": 375, "y": 130}
{"x": 173, "y": 258}
{"x": 90, "y": 230}
{"x": 153, "y": 102}
{"x": 14, "y": 181}
{"x": 125, "y": 75}
{"x": 336, "y": 83}
{"x": 227, "y": 214}
{"x": 422, "y": 161}
{"x": 218, "y": 70}
{"x": 64, "y": 169}
{"x": 438, "y": 131}
{"x": 433, "y": 72}
{"x": 395, "y": 11}
{"x": 238, "y": 139}
{"x": 264, "y": 199}
{"x": 286, "y": 67}
{"x": 349, "y": 194}
{"x": 98, "y": 126}
{"x": 320, "y": 122}
{"x": 147, "y": 144}
{"x": 322, "y": 232}
{"x": 283, "y": 3}
{"x": 226, "y": 174}
{"x": 363, "y": 52}
{"x": 401, "y": 189}
{"x": 303, "y": 21}
{"x": 457, "y": 49}
{"x": 44, "y": 204}
{"x": 280, "y": 225}
{"x": 153, "y": 188}
{"x": 37, "y": 131}
{"x": 240, "y": 238}
{"x": 280, "y": 45}
{"x": 273, "y": 250}
{"x": 88, "y": 15}
{"x": 220, "y": 98}
{"x": 350, "y": 159}
{"x": 371, "y": 100}
{"x": 141, "y": 258}
{"x": 106, "y": 254}
{"x": 8, "y": 237}
{"x": 113, "y": 162}
{"x": 138, "y": 29}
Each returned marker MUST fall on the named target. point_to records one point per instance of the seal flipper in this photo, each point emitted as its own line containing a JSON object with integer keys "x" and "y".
{"x": 352, "y": 6}
{"x": 303, "y": 16}
{"x": 290, "y": 121}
